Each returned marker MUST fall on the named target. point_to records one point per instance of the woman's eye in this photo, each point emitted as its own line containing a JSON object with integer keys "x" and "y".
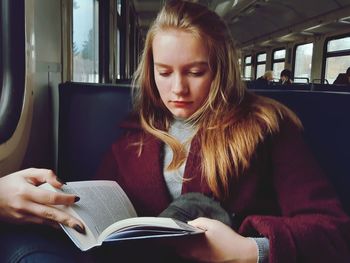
{"x": 164, "y": 74}
{"x": 196, "y": 73}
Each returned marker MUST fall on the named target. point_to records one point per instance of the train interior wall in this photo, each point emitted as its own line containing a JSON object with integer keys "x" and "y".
{"x": 42, "y": 146}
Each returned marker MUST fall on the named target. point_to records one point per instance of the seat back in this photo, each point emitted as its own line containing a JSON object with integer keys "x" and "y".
{"x": 331, "y": 87}
{"x": 89, "y": 115}
{"x": 325, "y": 116}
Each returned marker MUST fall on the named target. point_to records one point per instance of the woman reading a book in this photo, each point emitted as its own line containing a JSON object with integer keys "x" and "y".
{"x": 197, "y": 129}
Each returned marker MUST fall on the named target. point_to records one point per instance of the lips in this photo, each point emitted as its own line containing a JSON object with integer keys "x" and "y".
{"x": 181, "y": 104}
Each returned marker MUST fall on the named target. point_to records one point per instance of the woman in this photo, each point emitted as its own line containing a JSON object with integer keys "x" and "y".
{"x": 197, "y": 129}
{"x": 286, "y": 77}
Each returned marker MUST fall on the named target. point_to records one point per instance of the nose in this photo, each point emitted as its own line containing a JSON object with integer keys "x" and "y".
{"x": 180, "y": 85}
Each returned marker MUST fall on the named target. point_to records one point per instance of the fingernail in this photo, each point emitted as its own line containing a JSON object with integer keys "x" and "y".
{"x": 79, "y": 229}
{"x": 76, "y": 199}
{"x": 61, "y": 181}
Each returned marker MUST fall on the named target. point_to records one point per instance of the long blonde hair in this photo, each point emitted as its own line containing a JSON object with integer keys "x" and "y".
{"x": 231, "y": 122}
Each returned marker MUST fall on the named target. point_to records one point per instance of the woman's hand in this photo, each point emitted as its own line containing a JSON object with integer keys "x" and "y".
{"x": 219, "y": 244}
{"x": 21, "y": 201}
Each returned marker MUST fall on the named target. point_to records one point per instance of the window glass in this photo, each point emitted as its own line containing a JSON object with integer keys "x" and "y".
{"x": 248, "y": 67}
{"x": 303, "y": 60}
{"x": 277, "y": 68}
{"x": 337, "y": 57}
{"x": 117, "y": 54}
{"x": 279, "y": 54}
{"x": 260, "y": 70}
{"x": 336, "y": 65}
{"x": 240, "y": 66}
{"x": 339, "y": 44}
{"x": 261, "y": 64}
{"x": 85, "y": 41}
{"x": 248, "y": 72}
{"x": 119, "y": 7}
{"x": 261, "y": 57}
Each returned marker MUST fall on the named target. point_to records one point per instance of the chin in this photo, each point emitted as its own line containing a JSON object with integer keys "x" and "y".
{"x": 181, "y": 115}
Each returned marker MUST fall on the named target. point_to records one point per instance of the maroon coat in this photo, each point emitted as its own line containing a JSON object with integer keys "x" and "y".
{"x": 284, "y": 196}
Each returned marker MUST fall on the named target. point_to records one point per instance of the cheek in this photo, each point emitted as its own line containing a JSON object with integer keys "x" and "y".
{"x": 204, "y": 91}
{"x": 162, "y": 88}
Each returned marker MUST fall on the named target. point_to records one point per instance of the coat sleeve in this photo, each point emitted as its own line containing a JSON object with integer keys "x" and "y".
{"x": 312, "y": 226}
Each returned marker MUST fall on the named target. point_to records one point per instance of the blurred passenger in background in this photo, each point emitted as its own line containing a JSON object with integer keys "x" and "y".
{"x": 343, "y": 78}
{"x": 264, "y": 80}
{"x": 286, "y": 77}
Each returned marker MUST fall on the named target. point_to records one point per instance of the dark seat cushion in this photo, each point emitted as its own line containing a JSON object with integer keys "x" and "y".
{"x": 90, "y": 113}
{"x": 89, "y": 117}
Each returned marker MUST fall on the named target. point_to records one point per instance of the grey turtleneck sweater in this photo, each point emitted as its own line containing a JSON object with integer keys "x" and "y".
{"x": 183, "y": 132}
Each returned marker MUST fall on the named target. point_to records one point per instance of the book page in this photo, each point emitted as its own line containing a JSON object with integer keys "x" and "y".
{"x": 105, "y": 209}
{"x": 101, "y": 203}
{"x": 161, "y": 225}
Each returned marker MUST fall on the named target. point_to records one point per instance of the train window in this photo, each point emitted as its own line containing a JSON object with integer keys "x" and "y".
{"x": 240, "y": 66}
{"x": 260, "y": 64}
{"x": 337, "y": 57}
{"x": 119, "y": 7}
{"x": 339, "y": 44}
{"x": 278, "y": 62}
{"x": 12, "y": 65}
{"x": 117, "y": 55}
{"x": 85, "y": 41}
{"x": 248, "y": 67}
{"x": 303, "y": 60}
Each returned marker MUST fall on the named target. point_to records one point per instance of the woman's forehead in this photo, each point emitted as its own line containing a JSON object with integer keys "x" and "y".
{"x": 178, "y": 45}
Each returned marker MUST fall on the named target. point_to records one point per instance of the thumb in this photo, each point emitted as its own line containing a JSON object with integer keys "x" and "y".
{"x": 39, "y": 176}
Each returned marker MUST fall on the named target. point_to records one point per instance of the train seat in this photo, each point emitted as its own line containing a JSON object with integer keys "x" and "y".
{"x": 277, "y": 86}
{"x": 330, "y": 87}
{"x": 88, "y": 124}
{"x": 89, "y": 115}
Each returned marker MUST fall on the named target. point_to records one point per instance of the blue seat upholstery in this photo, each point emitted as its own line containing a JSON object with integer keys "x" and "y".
{"x": 330, "y": 87}
{"x": 90, "y": 113}
{"x": 253, "y": 85}
{"x": 293, "y": 86}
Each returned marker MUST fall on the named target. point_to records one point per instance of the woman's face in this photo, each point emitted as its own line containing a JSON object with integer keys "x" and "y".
{"x": 284, "y": 78}
{"x": 181, "y": 71}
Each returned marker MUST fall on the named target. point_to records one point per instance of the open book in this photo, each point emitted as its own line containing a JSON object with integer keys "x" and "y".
{"x": 108, "y": 215}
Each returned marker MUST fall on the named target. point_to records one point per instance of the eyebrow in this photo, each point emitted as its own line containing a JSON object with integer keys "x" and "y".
{"x": 192, "y": 64}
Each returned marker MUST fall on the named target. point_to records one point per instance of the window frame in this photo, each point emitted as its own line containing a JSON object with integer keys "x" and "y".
{"x": 101, "y": 37}
{"x": 260, "y": 62}
{"x": 103, "y": 41}
{"x": 332, "y": 53}
{"x": 12, "y": 66}
{"x": 248, "y": 64}
{"x": 294, "y": 57}
{"x": 273, "y": 60}
{"x": 121, "y": 25}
